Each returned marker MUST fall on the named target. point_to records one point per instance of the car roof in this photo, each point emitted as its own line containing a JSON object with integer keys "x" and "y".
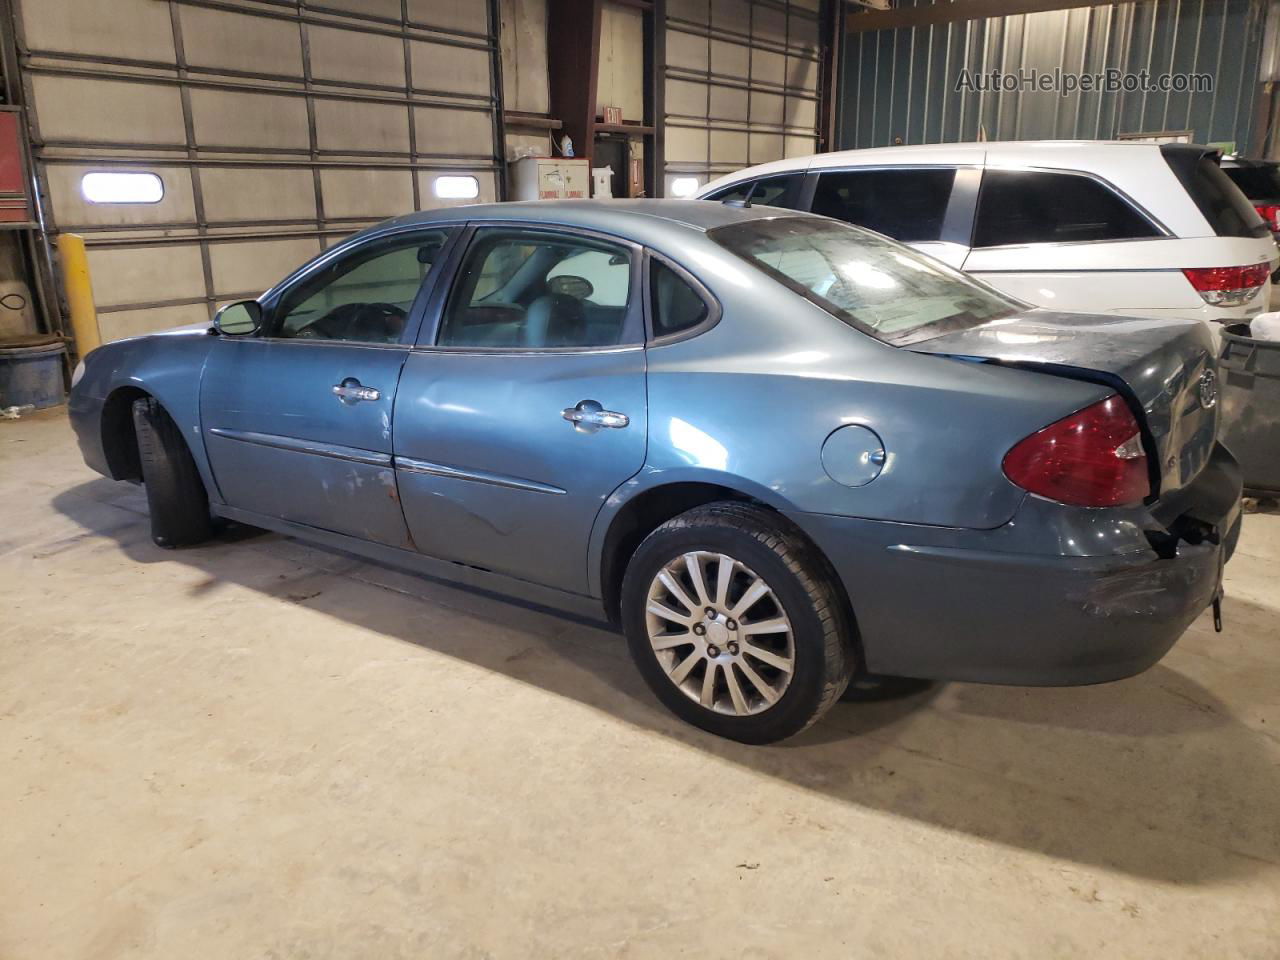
{"x": 1061, "y": 152}
{"x": 606, "y": 215}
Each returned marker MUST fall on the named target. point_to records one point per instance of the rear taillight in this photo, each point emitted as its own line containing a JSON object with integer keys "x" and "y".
{"x": 1227, "y": 286}
{"x": 1093, "y": 458}
{"x": 1269, "y": 212}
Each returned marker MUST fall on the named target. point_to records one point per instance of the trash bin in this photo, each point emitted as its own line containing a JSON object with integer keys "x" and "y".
{"x": 31, "y": 372}
{"x": 1250, "y": 390}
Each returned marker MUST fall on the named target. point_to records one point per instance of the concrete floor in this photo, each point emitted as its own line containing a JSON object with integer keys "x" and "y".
{"x": 259, "y": 749}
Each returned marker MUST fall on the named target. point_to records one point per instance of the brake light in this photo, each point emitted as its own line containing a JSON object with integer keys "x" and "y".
{"x": 1226, "y": 286}
{"x": 1093, "y": 458}
{"x": 1269, "y": 212}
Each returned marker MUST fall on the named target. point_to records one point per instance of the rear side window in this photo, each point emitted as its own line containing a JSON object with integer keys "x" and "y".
{"x": 1031, "y": 206}
{"x": 908, "y": 205}
{"x": 769, "y": 192}
{"x": 1229, "y": 212}
{"x": 673, "y": 304}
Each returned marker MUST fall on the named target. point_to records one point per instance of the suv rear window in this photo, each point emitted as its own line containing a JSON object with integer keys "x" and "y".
{"x": 908, "y": 205}
{"x": 1229, "y": 212}
{"x": 876, "y": 285}
{"x": 1032, "y": 206}
{"x": 1257, "y": 181}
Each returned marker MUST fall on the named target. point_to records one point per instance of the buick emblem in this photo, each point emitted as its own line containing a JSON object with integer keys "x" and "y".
{"x": 1208, "y": 389}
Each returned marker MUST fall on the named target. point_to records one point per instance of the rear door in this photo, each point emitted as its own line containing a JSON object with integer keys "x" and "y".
{"x": 928, "y": 207}
{"x": 297, "y": 419}
{"x": 523, "y": 408}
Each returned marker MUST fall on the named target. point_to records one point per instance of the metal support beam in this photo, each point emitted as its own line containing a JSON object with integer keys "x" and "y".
{"x": 831, "y": 18}
{"x": 866, "y": 20}
{"x": 575, "y": 67}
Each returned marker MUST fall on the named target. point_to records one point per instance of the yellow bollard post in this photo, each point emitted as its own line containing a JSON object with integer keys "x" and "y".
{"x": 75, "y": 280}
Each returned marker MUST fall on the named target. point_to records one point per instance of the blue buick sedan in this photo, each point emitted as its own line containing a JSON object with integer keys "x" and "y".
{"x": 778, "y": 450}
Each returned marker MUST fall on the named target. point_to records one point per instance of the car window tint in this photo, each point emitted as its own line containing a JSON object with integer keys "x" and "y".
{"x": 1228, "y": 211}
{"x": 525, "y": 289}
{"x": 364, "y": 296}
{"x": 1030, "y": 206}
{"x": 739, "y": 191}
{"x": 674, "y": 305}
{"x": 768, "y": 192}
{"x": 908, "y": 205}
{"x": 1257, "y": 181}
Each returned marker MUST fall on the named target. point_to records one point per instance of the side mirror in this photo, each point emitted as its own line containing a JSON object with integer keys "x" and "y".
{"x": 239, "y": 319}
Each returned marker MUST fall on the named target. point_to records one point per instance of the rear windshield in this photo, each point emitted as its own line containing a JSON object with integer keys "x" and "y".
{"x": 1261, "y": 182}
{"x": 870, "y": 282}
{"x": 1228, "y": 211}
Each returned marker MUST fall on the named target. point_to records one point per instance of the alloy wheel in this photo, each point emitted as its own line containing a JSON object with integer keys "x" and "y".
{"x": 720, "y": 633}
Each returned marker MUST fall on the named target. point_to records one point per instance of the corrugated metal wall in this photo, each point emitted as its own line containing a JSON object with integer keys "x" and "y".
{"x": 277, "y": 126}
{"x": 741, "y": 84}
{"x": 902, "y": 83}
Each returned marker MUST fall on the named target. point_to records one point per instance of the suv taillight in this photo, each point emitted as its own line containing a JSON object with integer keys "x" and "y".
{"x": 1269, "y": 212}
{"x": 1093, "y": 458}
{"x": 1227, "y": 286}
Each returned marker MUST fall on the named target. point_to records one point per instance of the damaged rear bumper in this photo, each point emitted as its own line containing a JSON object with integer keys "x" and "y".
{"x": 987, "y": 607}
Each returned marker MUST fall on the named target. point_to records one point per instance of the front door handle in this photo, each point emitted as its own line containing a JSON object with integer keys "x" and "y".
{"x": 589, "y": 416}
{"x": 351, "y": 391}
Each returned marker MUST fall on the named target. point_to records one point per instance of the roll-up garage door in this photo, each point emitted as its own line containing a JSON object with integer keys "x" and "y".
{"x": 741, "y": 84}
{"x": 265, "y": 130}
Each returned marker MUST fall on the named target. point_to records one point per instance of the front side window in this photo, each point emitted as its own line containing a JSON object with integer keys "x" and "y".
{"x": 908, "y": 205}
{"x": 1032, "y": 206}
{"x": 874, "y": 284}
{"x": 365, "y": 296}
{"x": 769, "y": 192}
{"x": 533, "y": 289}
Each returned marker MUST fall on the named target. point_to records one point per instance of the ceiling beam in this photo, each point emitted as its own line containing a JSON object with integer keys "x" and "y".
{"x": 860, "y": 20}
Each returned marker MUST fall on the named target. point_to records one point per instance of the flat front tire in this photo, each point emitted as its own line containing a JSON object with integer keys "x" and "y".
{"x": 734, "y": 622}
{"x": 176, "y": 496}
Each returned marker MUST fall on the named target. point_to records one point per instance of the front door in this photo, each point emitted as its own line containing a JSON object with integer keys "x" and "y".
{"x": 524, "y": 409}
{"x": 297, "y": 419}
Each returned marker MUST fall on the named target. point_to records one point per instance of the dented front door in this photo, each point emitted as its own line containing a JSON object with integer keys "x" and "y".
{"x": 284, "y": 444}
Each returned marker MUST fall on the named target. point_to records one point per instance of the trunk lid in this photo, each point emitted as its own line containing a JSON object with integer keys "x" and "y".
{"x": 1165, "y": 368}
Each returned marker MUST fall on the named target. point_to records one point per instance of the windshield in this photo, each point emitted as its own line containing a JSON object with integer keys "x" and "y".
{"x": 881, "y": 287}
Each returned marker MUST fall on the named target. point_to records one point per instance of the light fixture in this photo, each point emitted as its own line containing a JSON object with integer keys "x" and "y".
{"x": 684, "y": 186}
{"x": 457, "y": 188}
{"x": 122, "y": 187}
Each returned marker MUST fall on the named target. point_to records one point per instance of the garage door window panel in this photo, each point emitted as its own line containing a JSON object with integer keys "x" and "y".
{"x": 908, "y": 205}
{"x": 534, "y": 290}
{"x": 1028, "y": 206}
{"x": 366, "y": 296}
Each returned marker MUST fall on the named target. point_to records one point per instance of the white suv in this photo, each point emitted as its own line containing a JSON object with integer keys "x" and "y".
{"x": 1091, "y": 227}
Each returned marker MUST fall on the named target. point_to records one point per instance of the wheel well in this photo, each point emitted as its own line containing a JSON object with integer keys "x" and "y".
{"x": 646, "y": 512}
{"x": 119, "y": 441}
{"x": 638, "y": 518}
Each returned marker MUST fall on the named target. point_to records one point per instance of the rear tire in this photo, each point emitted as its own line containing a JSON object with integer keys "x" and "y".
{"x": 766, "y": 683}
{"x": 176, "y": 496}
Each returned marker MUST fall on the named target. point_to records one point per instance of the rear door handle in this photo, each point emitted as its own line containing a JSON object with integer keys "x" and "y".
{"x": 588, "y": 415}
{"x": 352, "y": 391}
